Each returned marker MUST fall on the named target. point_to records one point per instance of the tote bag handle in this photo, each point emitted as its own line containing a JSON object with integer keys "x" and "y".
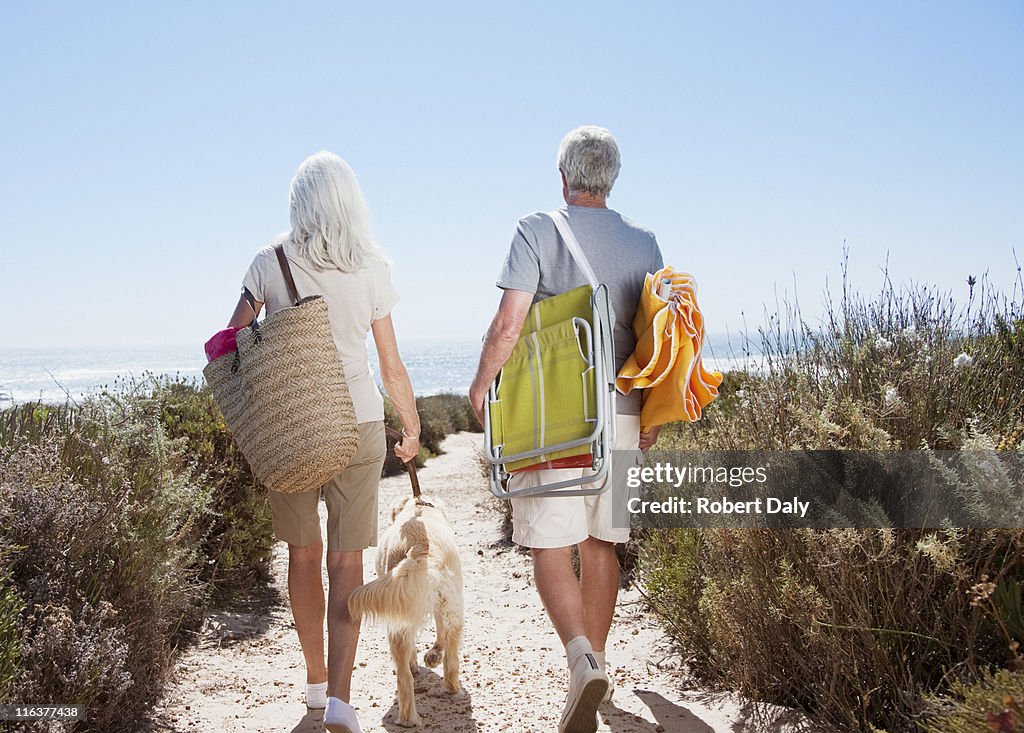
{"x": 289, "y": 281}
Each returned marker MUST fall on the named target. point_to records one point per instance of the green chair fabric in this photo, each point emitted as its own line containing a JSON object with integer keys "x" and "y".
{"x": 546, "y": 393}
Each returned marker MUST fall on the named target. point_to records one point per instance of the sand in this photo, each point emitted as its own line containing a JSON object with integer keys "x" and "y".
{"x": 245, "y": 671}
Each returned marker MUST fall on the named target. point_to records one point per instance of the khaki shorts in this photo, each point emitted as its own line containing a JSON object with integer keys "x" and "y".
{"x": 551, "y": 521}
{"x": 351, "y": 499}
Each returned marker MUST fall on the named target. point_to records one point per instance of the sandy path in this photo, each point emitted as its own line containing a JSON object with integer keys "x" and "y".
{"x": 246, "y": 674}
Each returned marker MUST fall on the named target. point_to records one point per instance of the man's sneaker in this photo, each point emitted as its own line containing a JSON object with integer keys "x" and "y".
{"x": 599, "y": 656}
{"x": 587, "y": 685}
{"x": 316, "y": 696}
{"x": 340, "y": 717}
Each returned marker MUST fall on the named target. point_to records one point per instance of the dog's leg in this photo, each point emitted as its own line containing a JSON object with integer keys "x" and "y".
{"x": 403, "y": 648}
{"x": 433, "y": 657}
{"x": 450, "y": 642}
{"x": 414, "y": 666}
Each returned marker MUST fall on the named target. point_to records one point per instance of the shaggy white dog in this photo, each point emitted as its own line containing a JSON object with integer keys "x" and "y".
{"x": 418, "y": 573}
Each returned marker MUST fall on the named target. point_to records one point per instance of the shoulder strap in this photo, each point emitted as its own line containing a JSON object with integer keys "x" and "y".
{"x": 562, "y": 225}
{"x": 289, "y": 281}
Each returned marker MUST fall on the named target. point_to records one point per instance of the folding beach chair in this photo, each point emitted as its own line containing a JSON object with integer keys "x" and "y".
{"x": 553, "y": 404}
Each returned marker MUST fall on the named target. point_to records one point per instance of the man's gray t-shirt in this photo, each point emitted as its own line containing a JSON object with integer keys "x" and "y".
{"x": 620, "y": 252}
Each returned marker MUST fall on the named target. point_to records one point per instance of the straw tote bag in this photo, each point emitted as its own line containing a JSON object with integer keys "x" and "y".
{"x": 284, "y": 395}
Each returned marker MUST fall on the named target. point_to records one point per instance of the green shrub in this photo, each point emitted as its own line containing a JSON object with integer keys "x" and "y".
{"x": 237, "y": 531}
{"x": 10, "y": 634}
{"x": 878, "y": 374}
{"x": 993, "y": 703}
{"x": 117, "y": 531}
{"x": 670, "y": 570}
{"x": 858, "y": 627}
{"x": 854, "y": 626}
{"x": 440, "y": 416}
{"x": 104, "y": 555}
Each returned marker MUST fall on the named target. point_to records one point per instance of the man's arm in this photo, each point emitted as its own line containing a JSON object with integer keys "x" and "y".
{"x": 649, "y": 438}
{"x": 498, "y": 344}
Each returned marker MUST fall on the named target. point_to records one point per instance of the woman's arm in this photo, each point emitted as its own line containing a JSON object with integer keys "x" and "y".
{"x": 244, "y": 314}
{"x": 397, "y": 385}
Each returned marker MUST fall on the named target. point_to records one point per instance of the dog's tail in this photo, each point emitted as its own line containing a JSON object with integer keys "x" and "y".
{"x": 404, "y": 594}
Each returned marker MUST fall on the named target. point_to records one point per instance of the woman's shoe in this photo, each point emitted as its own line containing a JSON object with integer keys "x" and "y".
{"x": 340, "y": 717}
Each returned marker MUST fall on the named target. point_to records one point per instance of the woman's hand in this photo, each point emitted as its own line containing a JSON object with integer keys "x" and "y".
{"x": 408, "y": 449}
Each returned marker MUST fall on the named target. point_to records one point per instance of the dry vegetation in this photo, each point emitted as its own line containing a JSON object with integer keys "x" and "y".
{"x": 894, "y": 629}
{"x": 123, "y": 520}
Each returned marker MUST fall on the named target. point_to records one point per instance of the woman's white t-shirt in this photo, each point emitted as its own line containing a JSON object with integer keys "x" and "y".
{"x": 354, "y": 301}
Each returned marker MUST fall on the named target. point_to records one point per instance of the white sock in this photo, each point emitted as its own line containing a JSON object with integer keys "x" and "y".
{"x": 599, "y": 656}
{"x": 576, "y": 648}
{"x": 316, "y": 695}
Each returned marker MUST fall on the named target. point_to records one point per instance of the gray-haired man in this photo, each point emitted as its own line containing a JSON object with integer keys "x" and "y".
{"x": 538, "y": 266}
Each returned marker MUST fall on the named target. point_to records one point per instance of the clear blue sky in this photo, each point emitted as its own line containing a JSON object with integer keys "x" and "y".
{"x": 146, "y": 148}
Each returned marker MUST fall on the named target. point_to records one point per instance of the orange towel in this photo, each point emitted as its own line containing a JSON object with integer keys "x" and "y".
{"x": 667, "y": 364}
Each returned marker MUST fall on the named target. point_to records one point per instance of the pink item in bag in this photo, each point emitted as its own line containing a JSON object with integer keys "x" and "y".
{"x": 222, "y": 342}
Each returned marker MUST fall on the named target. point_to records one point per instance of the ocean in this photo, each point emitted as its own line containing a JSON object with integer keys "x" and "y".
{"x": 55, "y": 375}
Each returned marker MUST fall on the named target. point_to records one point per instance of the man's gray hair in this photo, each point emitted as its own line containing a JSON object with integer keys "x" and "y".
{"x": 589, "y": 158}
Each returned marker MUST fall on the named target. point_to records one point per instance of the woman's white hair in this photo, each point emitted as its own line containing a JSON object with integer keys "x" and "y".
{"x": 329, "y": 217}
{"x": 589, "y": 158}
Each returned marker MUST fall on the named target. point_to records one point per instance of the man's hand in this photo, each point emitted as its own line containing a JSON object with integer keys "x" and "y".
{"x": 648, "y": 439}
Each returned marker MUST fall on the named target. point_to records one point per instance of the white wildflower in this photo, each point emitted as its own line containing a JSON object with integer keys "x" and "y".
{"x": 963, "y": 360}
{"x": 882, "y": 343}
{"x": 741, "y": 394}
{"x": 891, "y": 396}
{"x": 939, "y": 553}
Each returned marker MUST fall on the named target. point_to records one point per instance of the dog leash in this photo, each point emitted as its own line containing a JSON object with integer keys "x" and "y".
{"x": 409, "y": 466}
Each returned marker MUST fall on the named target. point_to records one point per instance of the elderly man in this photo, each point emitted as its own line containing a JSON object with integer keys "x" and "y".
{"x": 539, "y": 266}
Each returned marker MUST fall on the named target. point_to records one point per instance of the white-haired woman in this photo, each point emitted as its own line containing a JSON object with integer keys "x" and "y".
{"x": 331, "y": 253}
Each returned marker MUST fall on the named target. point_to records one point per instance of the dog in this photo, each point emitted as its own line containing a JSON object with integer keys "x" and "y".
{"x": 419, "y": 572}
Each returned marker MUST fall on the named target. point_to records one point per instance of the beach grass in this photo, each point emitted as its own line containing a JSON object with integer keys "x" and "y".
{"x": 873, "y": 629}
{"x": 124, "y": 518}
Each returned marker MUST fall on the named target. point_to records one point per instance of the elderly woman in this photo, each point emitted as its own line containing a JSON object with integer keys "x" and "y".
{"x": 538, "y": 266}
{"x": 331, "y": 253}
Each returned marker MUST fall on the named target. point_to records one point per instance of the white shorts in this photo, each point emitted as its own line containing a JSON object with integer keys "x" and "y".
{"x": 552, "y": 521}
